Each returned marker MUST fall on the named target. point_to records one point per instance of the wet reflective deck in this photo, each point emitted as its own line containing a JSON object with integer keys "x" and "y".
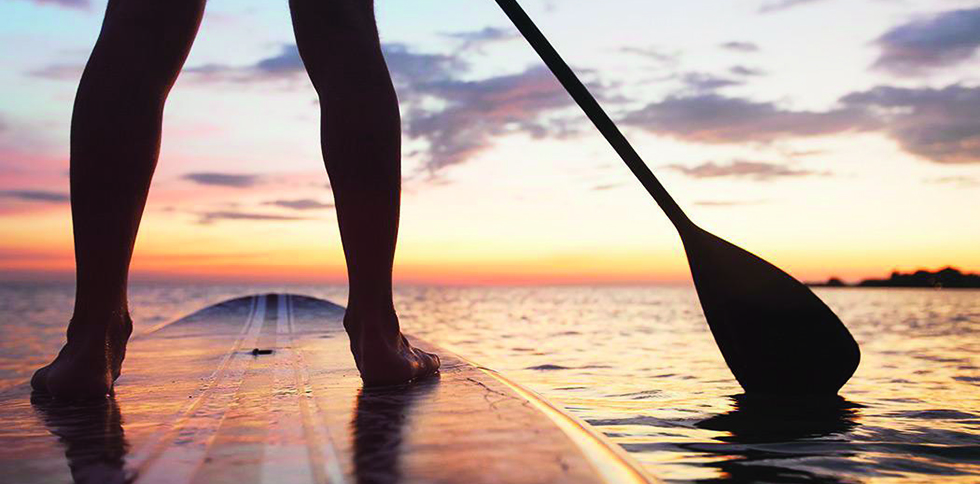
{"x": 263, "y": 389}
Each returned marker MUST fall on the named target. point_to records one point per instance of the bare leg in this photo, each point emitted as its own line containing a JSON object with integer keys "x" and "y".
{"x": 361, "y": 137}
{"x": 115, "y": 140}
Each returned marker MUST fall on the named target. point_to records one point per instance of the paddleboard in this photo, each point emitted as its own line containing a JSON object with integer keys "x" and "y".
{"x": 263, "y": 389}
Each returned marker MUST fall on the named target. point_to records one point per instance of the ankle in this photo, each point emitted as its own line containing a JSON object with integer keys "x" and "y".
{"x": 372, "y": 321}
{"x": 117, "y": 326}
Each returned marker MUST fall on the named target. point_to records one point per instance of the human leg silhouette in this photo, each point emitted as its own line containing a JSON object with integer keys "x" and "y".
{"x": 115, "y": 141}
{"x": 361, "y": 141}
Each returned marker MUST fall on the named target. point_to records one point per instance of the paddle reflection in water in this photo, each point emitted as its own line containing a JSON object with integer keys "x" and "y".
{"x": 764, "y": 431}
{"x": 92, "y": 434}
{"x": 380, "y": 418}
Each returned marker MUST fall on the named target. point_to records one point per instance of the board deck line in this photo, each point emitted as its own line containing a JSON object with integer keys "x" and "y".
{"x": 327, "y": 462}
{"x": 285, "y": 437}
{"x": 143, "y": 455}
{"x": 290, "y": 399}
{"x": 172, "y": 462}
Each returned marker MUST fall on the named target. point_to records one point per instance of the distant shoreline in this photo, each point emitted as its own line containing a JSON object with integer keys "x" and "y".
{"x": 948, "y": 277}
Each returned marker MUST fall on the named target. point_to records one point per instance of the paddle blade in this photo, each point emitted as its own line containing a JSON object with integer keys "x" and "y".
{"x": 776, "y": 335}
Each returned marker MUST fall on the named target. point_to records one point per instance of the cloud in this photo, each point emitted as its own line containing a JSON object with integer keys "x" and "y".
{"x": 703, "y": 82}
{"x": 454, "y": 117}
{"x": 652, "y": 53}
{"x": 211, "y": 217}
{"x": 778, "y": 5}
{"x": 727, "y": 203}
{"x": 59, "y": 72}
{"x": 299, "y": 204}
{"x": 412, "y": 68}
{"x": 713, "y": 118}
{"x": 739, "y": 46}
{"x": 942, "y": 40}
{"x": 478, "y": 39}
{"x": 961, "y": 181}
{"x": 79, "y": 4}
{"x": 36, "y": 196}
{"x": 234, "y": 180}
{"x": 406, "y": 67}
{"x": 607, "y": 186}
{"x": 940, "y": 125}
{"x": 284, "y": 65}
{"x": 477, "y": 111}
{"x": 756, "y": 170}
{"x": 745, "y": 71}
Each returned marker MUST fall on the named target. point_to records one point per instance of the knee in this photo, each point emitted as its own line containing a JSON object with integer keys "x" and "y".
{"x": 334, "y": 16}
{"x": 153, "y": 19}
{"x": 143, "y": 45}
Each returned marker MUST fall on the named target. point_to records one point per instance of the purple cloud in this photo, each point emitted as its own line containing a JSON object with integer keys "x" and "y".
{"x": 79, "y": 4}
{"x": 940, "y": 125}
{"x": 942, "y": 40}
{"x": 299, "y": 204}
{"x": 713, "y": 118}
{"x": 756, "y": 170}
{"x": 43, "y": 196}
{"x": 233, "y": 180}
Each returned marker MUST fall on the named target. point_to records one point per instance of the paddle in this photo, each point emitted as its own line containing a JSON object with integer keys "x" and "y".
{"x": 776, "y": 336}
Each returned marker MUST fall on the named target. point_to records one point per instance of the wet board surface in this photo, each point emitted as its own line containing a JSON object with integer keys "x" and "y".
{"x": 195, "y": 403}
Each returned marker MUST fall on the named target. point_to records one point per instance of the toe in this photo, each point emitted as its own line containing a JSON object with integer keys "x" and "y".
{"x": 430, "y": 362}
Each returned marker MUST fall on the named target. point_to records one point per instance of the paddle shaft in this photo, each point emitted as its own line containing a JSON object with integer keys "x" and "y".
{"x": 594, "y": 111}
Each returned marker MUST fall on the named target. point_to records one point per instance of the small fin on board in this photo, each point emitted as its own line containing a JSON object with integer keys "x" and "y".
{"x": 263, "y": 389}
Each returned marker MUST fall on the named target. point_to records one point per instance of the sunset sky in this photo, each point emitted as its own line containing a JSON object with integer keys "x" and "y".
{"x": 831, "y": 137}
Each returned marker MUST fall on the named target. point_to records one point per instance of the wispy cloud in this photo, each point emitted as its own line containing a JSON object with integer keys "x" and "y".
{"x": 700, "y": 82}
{"x": 755, "y": 170}
{"x": 410, "y": 68}
{"x": 455, "y": 118}
{"x": 299, "y": 204}
{"x": 476, "y": 40}
{"x": 727, "y": 203}
{"x": 937, "y": 124}
{"x": 284, "y": 65}
{"x": 211, "y": 217}
{"x": 406, "y": 66}
{"x": 78, "y": 4}
{"x": 607, "y": 186}
{"x": 745, "y": 71}
{"x": 234, "y": 180}
{"x": 740, "y": 46}
{"x": 940, "y": 125}
{"x": 477, "y": 111}
{"x": 43, "y": 196}
{"x": 922, "y": 45}
{"x": 714, "y": 118}
{"x": 778, "y": 5}
{"x": 58, "y": 72}
{"x": 653, "y": 53}
{"x": 961, "y": 181}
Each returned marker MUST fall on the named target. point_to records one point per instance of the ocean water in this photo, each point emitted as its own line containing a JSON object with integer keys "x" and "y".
{"x": 639, "y": 364}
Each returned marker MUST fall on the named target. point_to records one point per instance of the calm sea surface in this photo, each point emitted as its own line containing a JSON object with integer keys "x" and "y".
{"x": 639, "y": 364}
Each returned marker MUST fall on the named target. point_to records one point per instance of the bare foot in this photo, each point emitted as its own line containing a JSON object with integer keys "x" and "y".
{"x": 382, "y": 354}
{"x": 89, "y": 363}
